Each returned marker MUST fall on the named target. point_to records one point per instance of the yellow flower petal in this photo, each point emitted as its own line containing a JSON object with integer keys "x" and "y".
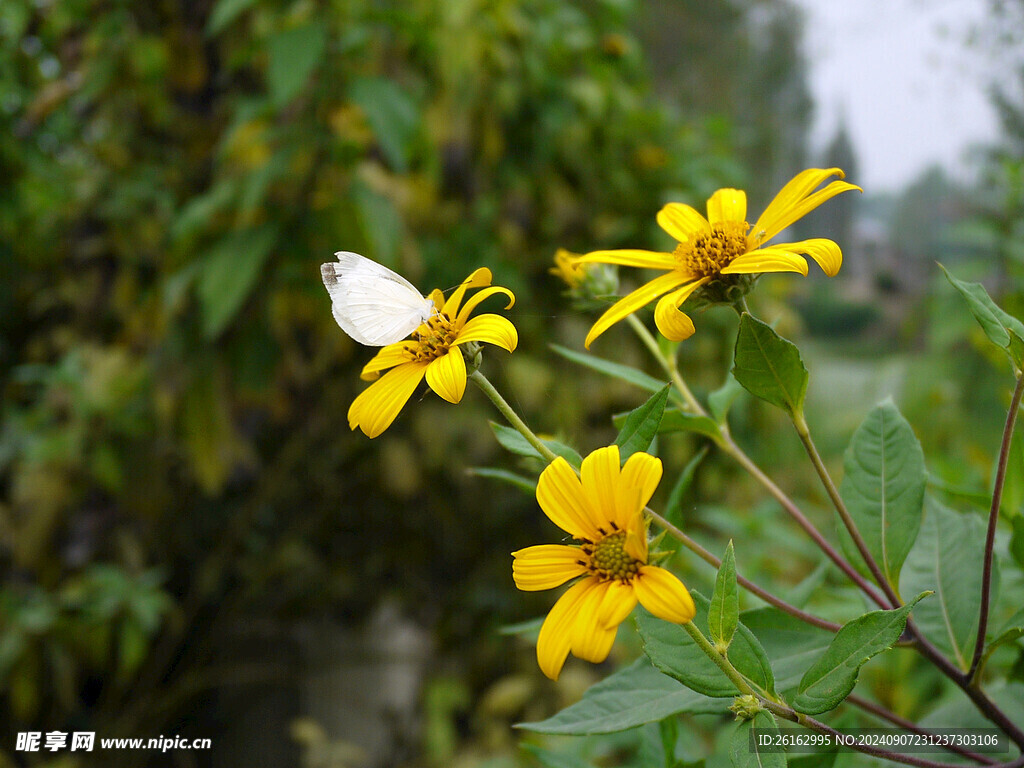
{"x": 446, "y": 375}
{"x": 546, "y": 566}
{"x": 561, "y": 496}
{"x": 592, "y": 640}
{"x": 639, "y": 479}
{"x": 493, "y": 329}
{"x": 479, "y": 296}
{"x": 727, "y": 205}
{"x": 683, "y": 222}
{"x": 599, "y": 475}
{"x": 387, "y": 357}
{"x": 555, "y": 637}
{"x": 795, "y": 200}
{"x": 663, "y": 594}
{"x": 478, "y": 279}
{"x": 771, "y": 259}
{"x": 619, "y": 601}
{"x": 825, "y": 252}
{"x": 630, "y": 257}
{"x": 378, "y": 405}
{"x": 633, "y": 301}
{"x": 673, "y": 324}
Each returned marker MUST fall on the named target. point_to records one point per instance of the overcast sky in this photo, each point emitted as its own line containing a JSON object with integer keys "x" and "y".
{"x": 912, "y": 92}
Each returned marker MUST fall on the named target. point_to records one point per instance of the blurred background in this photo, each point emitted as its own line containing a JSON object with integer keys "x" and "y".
{"x": 193, "y": 542}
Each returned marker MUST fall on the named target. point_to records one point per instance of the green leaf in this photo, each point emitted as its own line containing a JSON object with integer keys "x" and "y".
{"x": 642, "y": 424}
{"x": 1017, "y": 539}
{"x": 883, "y": 489}
{"x": 632, "y": 696}
{"x": 514, "y": 442}
{"x": 393, "y": 116}
{"x": 721, "y": 400}
{"x": 768, "y": 366}
{"x": 379, "y": 221}
{"x": 224, "y": 12}
{"x": 675, "y": 420}
{"x": 791, "y": 644}
{"x": 672, "y": 650}
{"x": 1003, "y": 329}
{"x": 947, "y": 559}
{"x": 231, "y": 269}
{"x": 607, "y": 367}
{"x": 519, "y": 481}
{"x": 674, "y": 505}
{"x": 724, "y": 612}
{"x": 746, "y": 754}
{"x": 293, "y": 56}
{"x": 833, "y": 676}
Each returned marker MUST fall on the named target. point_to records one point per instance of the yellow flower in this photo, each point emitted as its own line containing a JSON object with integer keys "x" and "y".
{"x": 433, "y": 351}
{"x": 603, "y": 509}
{"x": 567, "y": 268}
{"x": 722, "y": 244}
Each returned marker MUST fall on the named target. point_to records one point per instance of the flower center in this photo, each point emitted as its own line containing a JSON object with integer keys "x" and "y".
{"x": 708, "y": 253}
{"x": 435, "y": 341}
{"x": 608, "y": 558}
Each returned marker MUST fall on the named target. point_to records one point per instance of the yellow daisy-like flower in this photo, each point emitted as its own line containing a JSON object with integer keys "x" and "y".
{"x": 433, "y": 351}
{"x": 722, "y": 244}
{"x": 603, "y": 509}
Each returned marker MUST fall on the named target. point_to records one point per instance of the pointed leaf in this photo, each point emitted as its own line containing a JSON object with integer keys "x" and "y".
{"x": 1003, "y": 329}
{"x": 833, "y": 676}
{"x": 883, "y": 488}
{"x": 392, "y": 114}
{"x": 744, "y": 750}
{"x": 642, "y": 424}
{"x": 724, "y": 612}
{"x": 292, "y": 57}
{"x": 672, "y": 650}
{"x": 768, "y": 366}
{"x": 230, "y": 271}
{"x": 946, "y": 559}
{"x": 523, "y": 483}
{"x": 607, "y": 367}
{"x": 634, "y": 695}
{"x": 513, "y": 441}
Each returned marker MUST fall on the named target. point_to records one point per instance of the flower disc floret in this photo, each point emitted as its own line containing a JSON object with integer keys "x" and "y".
{"x": 717, "y": 254}
{"x": 602, "y": 508}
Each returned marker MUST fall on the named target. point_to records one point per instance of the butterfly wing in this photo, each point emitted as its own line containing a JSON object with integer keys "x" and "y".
{"x": 372, "y": 304}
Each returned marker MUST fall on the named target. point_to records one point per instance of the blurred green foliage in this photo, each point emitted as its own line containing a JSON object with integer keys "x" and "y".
{"x": 175, "y": 461}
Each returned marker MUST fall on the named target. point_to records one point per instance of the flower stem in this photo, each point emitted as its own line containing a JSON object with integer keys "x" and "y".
{"x": 837, "y": 501}
{"x": 993, "y": 518}
{"x": 794, "y": 511}
{"x": 750, "y": 586}
{"x": 511, "y": 416}
{"x": 667, "y": 362}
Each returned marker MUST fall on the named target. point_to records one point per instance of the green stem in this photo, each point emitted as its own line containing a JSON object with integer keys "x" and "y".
{"x": 511, "y": 416}
{"x": 788, "y": 713}
{"x": 990, "y": 537}
{"x": 667, "y": 362}
{"x": 837, "y": 501}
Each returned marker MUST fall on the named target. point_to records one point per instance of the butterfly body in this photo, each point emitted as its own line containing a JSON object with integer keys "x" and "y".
{"x": 372, "y": 304}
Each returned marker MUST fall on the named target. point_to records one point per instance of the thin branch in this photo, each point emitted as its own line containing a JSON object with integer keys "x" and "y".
{"x": 750, "y": 586}
{"x": 884, "y": 714}
{"x": 993, "y": 518}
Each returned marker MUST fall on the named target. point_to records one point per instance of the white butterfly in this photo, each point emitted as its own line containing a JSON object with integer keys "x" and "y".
{"x": 372, "y": 304}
